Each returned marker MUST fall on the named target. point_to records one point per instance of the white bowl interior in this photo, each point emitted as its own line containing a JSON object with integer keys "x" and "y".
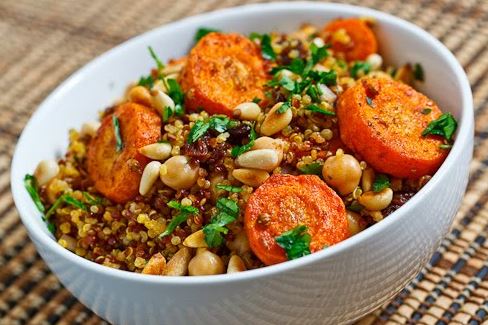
{"x": 105, "y": 79}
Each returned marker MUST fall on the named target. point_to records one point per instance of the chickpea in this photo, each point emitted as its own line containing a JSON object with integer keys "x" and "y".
{"x": 177, "y": 173}
{"x": 205, "y": 263}
{"x": 342, "y": 172}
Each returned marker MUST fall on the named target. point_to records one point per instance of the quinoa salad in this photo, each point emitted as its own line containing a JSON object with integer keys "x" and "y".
{"x": 249, "y": 151}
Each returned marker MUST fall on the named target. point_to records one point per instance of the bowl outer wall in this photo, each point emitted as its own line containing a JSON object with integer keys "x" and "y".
{"x": 335, "y": 286}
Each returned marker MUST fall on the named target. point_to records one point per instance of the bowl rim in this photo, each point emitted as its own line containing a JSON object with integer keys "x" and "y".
{"x": 464, "y": 136}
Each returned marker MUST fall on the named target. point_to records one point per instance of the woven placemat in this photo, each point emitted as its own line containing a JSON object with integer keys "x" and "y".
{"x": 45, "y": 41}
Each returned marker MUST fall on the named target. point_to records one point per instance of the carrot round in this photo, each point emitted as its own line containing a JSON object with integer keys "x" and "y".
{"x": 284, "y": 202}
{"x": 358, "y": 42}
{"x": 222, "y": 71}
{"x": 387, "y": 131}
{"x": 117, "y": 174}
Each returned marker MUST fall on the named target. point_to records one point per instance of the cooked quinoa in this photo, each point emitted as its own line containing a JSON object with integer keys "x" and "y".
{"x": 127, "y": 235}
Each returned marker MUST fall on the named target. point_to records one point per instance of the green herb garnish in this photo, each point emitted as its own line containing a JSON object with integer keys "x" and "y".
{"x": 227, "y": 212}
{"x": 229, "y": 188}
{"x": 355, "y": 207}
{"x": 318, "y": 53}
{"x": 444, "y": 126}
{"x": 418, "y": 72}
{"x": 147, "y": 82}
{"x": 182, "y": 216}
{"x": 314, "y": 108}
{"x": 426, "y": 111}
{"x": 381, "y": 182}
{"x": 295, "y": 242}
{"x": 360, "y": 66}
{"x": 30, "y": 184}
{"x": 312, "y": 169}
{"x": 256, "y": 100}
{"x": 266, "y": 49}
{"x": 239, "y": 150}
{"x": 91, "y": 199}
{"x": 284, "y": 107}
{"x": 119, "y": 145}
{"x": 202, "y": 31}
{"x": 68, "y": 199}
{"x": 217, "y": 123}
{"x": 158, "y": 61}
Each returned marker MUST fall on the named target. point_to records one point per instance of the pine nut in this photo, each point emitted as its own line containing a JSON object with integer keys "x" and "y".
{"x": 205, "y": 263}
{"x": 236, "y": 264}
{"x": 140, "y": 95}
{"x": 156, "y": 151}
{"x": 240, "y": 244}
{"x": 274, "y": 122}
{"x": 156, "y": 265}
{"x": 265, "y": 159}
{"x": 376, "y": 201}
{"x": 327, "y": 94}
{"x": 354, "y": 222}
{"x": 247, "y": 111}
{"x": 149, "y": 177}
{"x": 174, "y": 68}
{"x": 177, "y": 173}
{"x": 375, "y": 60}
{"x": 195, "y": 240}
{"x": 162, "y": 100}
{"x": 45, "y": 171}
{"x": 270, "y": 143}
{"x": 342, "y": 172}
{"x": 367, "y": 179}
{"x": 178, "y": 264}
{"x": 89, "y": 128}
{"x": 251, "y": 177}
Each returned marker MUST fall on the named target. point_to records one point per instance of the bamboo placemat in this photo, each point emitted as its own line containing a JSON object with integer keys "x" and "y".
{"x": 45, "y": 41}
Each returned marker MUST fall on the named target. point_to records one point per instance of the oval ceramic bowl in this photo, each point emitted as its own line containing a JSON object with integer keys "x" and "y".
{"x": 335, "y": 286}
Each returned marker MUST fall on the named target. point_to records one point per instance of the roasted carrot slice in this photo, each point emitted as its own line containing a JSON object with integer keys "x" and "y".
{"x": 222, "y": 71}
{"x": 284, "y": 202}
{"x": 382, "y": 120}
{"x": 352, "y": 38}
{"x": 117, "y": 173}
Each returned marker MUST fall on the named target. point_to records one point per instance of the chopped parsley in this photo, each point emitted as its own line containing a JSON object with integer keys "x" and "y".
{"x": 355, "y": 207}
{"x": 316, "y": 109}
{"x": 284, "y": 107}
{"x": 318, "y": 53}
{"x": 312, "y": 169}
{"x": 418, "y": 72}
{"x": 176, "y": 94}
{"x": 381, "y": 182}
{"x": 119, "y": 145}
{"x": 358, "y": 67}
{"x": 239, "y": 150}
{"x": 444, "y": 126}
{"x": 158, "y": 61}
{"x": 183, "y": 213}
{"x": 229, "y": 188}
{"x": 256, "y": 100}
{"x": 266, "y": 48}
{"x": 91, "y": 199}
{"x": 30, "y": 184}
{"x": 216, "y": 122}
{"x": 68, "y": 199}
{"x": 295, "y": 242}
{"x": 426, "y": 111}
{"x": 147, "y": 82}
{"x": 202, "y": 31}
{"x": 227, "y": 212}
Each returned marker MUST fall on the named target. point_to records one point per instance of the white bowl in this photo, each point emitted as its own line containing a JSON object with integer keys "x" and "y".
{"x": 337, "y": 285}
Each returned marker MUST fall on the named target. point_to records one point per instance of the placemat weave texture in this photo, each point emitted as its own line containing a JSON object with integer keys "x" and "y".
{"x": 43, "y": 42}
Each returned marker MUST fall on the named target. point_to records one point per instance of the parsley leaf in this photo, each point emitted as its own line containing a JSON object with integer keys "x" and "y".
{"x": 227, "y": 212}
{"x": 147, "y": 82}
{"x": 381, "y": 182}
{"x": 312, "y": 169}
{"x": 314, "y": 108}
{"x": 318, "y": 53}
{"x": 91, "y": 199}
{"x": 296, "y": 66}
{"x": 426, "y": 111}
{"x": 256, "y": 100}
{"x": 355, "y": 207}
{"x": 158, "y": 61}
{"x": 197, "y": 131}
{"x": 360, "y": 66}
{"x": 266, "y": 49}
{"x": 119, "y": 145}
{"x": 444, "y": 126}
{"x": 284, "y": 107}
{"x": 295, "y": 242}
{"x": 217, "y": 123}
{"x": 182, "y": 216}
{"x": 202, "y": 31}
{"x": 418, "y": 72}
{"x": 68, "y": 199}
{"x": 30, "y": 184}
{"x": 328, "y": 78}
{"x": 229, "y": 188}
{"x": 239, "y": 150}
